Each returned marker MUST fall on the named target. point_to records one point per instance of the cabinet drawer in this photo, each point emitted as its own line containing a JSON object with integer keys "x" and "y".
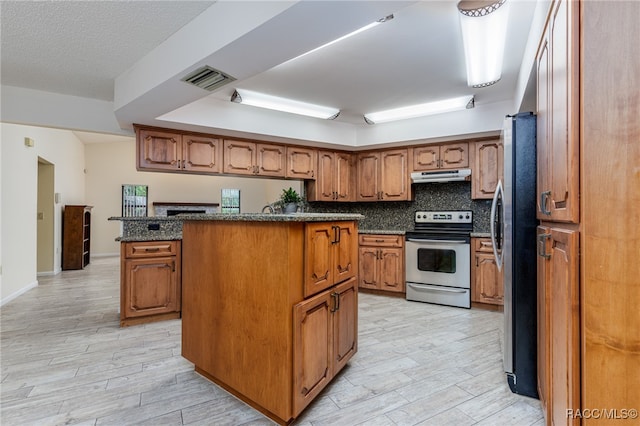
{"x": 379, "y": 240}
{"x": 151, "y": 249}
{"x": 483, "y": 245}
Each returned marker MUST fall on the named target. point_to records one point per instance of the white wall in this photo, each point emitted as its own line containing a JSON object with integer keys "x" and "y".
{"x": 110, "y": 165}
{"x": 19, "y": 197}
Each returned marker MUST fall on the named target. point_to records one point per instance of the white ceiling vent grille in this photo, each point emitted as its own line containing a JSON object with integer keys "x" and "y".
{"x": 208, "y": 78}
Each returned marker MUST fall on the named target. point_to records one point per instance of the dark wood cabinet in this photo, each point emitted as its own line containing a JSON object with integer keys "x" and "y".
{"x": 76, "y": 236}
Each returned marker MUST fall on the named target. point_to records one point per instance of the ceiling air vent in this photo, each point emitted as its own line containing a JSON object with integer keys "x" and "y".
{"x": 208, "y": 78}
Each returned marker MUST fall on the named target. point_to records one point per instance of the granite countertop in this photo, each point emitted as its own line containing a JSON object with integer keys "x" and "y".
{"x": 256, "y": 217}
{"x": 152, "y": 236}
{"x": 480, "y": 235}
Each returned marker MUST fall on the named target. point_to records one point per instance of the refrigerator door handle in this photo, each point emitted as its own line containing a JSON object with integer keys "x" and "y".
{"x": 496, "y": 234}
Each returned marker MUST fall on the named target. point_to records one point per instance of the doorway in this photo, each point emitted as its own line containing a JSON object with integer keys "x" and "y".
{"x": 45, "y": 218}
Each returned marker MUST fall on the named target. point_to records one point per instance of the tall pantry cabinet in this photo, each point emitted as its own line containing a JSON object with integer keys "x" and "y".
{"x": 588, "y": 74}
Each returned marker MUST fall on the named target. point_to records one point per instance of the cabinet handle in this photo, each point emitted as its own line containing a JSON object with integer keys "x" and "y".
{"x": 544, "y": 197}
{"x": 335, "y": 234}
{"x": 542, "y": 247}
{"x": 336, "y": 301}
{"x": 173, "y": 266}
{"x": 379, "y": 241}
{"x": 152, "y": 249}
{"x": 338, "y": 234}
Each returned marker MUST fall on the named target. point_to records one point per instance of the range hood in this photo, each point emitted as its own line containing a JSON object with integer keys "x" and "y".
{"x": 441, "y": 176}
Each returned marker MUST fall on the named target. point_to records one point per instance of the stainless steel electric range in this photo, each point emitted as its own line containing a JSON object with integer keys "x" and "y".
{"x": 438, "y": 258}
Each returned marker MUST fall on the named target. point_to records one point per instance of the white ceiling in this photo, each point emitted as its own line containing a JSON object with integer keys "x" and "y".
{"x": 81, "y": 48}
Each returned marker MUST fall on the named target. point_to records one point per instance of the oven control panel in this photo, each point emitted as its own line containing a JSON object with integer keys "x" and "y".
{"x": 455, "y": 216}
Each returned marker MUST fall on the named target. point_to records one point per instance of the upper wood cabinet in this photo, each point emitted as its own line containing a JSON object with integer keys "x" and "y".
{"x": 487, "y": 165}
{"x": 172, "y": 151}
{"x": 249, "y": 158}
{"x": 334, "y": 179}
{"x": 558, "y": 116}
{"x": 331, "y": 254}
{"x": 448, "y": 156}
{"x": 301, "y": 162}
{"x": 383, "y": 176}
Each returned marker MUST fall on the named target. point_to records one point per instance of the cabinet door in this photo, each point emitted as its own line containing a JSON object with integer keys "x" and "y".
{"x": 344, "y": 177}
{"x": 239, "y": 157}
{"x": 394, "y": 176}
{"x": 312, "y": 349}
{"x": 159, "y": 150}
{"x": 368, "y": 268}
{"x": 487, "y": 284}
{"x": 151, "y": 286}
{"x": 319, "y": 243}
{"x": 201, "y": 154}
{"x": 426, "y": 158}
{"x": 454, "y": 155}
{"x": 488, "y": 168}
{"x": 345, "y": 323}
{"x": 558, "y": 255}
{"x": 558, "y": 197}
{"x": 346, "y": 251}
{"x": 391, "y": 266}
{"x": 270, "y": 160}
{"x": 301, "y": 163}
{"x": 368, "y": 169}
{"x": 323, "y": 187}
{"x": 543, "y": 324}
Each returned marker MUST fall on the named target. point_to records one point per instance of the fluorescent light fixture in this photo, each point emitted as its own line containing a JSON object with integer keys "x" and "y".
{"x": 446, "y": 105}
{"x": 484, "y": 30}
{"x": 262, "y": 100}
{"x": 359, "y": 30}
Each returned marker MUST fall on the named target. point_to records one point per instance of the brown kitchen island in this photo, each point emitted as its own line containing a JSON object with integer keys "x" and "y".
{"x": 269, "y": 304}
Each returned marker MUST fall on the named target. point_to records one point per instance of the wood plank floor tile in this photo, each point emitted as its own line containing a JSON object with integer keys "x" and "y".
{"x": 66, "y": 360}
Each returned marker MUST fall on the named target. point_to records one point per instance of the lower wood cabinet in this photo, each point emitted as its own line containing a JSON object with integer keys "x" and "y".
{"x": 150, "y": 281}
{"x": 558, "y": 324}
{"x": 486, "y": 280}
{"x": 247, "y": 323}
{"x": 324, "y": 339}
{"x": 381, "y": 262}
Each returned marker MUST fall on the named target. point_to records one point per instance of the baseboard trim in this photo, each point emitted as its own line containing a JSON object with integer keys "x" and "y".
{"x": 18, "y": 293}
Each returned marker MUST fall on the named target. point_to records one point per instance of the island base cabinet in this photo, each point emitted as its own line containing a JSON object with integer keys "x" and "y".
{"x": 150, "y": 282}
{"x": 324, "y": 340}
{"x": 246, "y": 323}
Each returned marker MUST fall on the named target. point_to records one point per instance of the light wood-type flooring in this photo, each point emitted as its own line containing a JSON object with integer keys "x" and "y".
{"x": 65, "y": 360}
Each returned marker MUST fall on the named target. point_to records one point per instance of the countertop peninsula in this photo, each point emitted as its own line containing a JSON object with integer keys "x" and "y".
{"x": 167, "y": 228}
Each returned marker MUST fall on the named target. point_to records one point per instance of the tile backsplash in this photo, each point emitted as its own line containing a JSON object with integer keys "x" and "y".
{"x": 398, "y": 215}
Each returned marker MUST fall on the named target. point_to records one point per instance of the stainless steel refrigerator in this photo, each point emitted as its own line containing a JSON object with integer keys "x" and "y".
{"x": 513, "y": 233}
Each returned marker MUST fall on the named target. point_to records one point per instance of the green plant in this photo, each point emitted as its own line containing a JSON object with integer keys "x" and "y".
{"x": 290, "y": 196}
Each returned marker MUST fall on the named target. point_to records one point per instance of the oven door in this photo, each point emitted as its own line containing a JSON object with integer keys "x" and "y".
{"x": 439, "y": 262}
